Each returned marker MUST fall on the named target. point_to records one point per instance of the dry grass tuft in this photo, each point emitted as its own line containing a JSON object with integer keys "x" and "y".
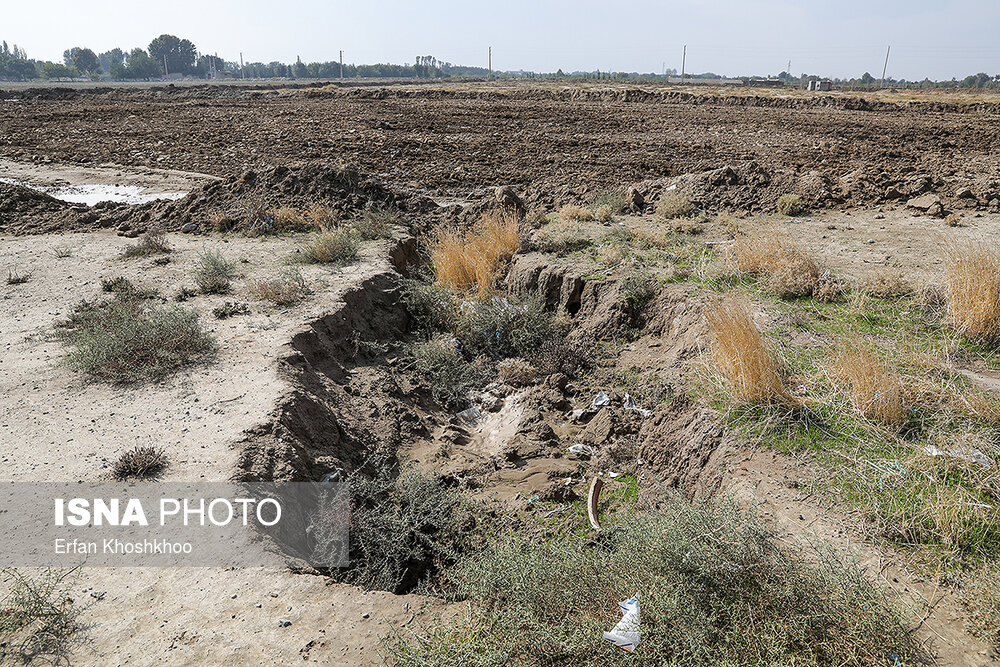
{"x": 285, "y": 290}
{"x": 673, "y": 204}
{"x": 791, "y": 205}
{"x": 154, "y": 241}
{"x": 741, "y": 355}
{"x": 313, "y": 216}
{"x": 791, "y": 272}
{"x": 875, "y": 392}
{"x": 140, "y": 463}
{"x": 575, "y": 212}
{"x": 974, "y": 290}
{"x": 604, "y": 213}
{"x": 517, "y": 372}
{"x": 338, "y": 247}
{"x": 886, "y": 283}
{"x": 471, "y": 260}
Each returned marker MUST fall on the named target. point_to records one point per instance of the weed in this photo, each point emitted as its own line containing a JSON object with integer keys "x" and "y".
{"x": 561, "y": 237}
{"x": 376, "y": 223}
{"x": 63, "y": 251}
{"x": 125, "y": 287}
{"x": 638, "y": 287}
{"x": 38, "y": 616}
{"x": 432, "y": 307}
{"x": 213, "y": 273}
{"x": 161, "y": 261}
{"x": 973, "y": 274}
{"x": 614, "y": 200}
{"x": 875, "y": 393}
{"x": 501, "y": 327}
{"x": 441, "y": 365}
{"x": 790, "y": 205}
{"x": 184, "y": 293}
{"x": 575, "y": 212}
{"x": 287, "y": 289}
{"x": 290, "y": 219}
{"x": 405, "y": 527}
{"x": 558, "y": 355}
{"x": 747, "y": 364}
{"x": 673, "y": 205}
{"x": 604, "y": 213}
{"x": 517, "y": 372}
{"x": 15, "y": 278}
{"x": 128, "y": 340}
{"x": 140, "y": 463}
{"x": 472, "y": 260}
{"x": 716, "y": 587}
{"x": 886, "y": 284}
{"x": 153, "y": 242}
{"x": 338, "y": 247}
{"x": 790, "y": 271}
{"x": 230, "y": 309}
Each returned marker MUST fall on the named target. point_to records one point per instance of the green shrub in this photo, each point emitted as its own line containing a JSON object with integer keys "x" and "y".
{"x": 213, "y": 273}
{"x": 125, "y": 287}
{"x": 502, "y": 327}
{"x": 405, "y": 527}
{"x": 339, "y": 247}
{"x": 376, "y": 223}
{"x": 638, "y": 287}
{"x": 441, "y": 365}
{"x": 285, "y": 290}
{"x": 432, "y": 307}
{"x": 128, "y": 339}
{"x": 38, "y": 616}
{"x": 790, "y": 205}
{"x": 715, "y": 588}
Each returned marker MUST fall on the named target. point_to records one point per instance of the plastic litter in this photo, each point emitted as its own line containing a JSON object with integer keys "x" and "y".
{"x": 593, "y": 498}
{"x": 598, "y": 402}
{"x": 971, "y": 456}
{"x": 330, "y": 477}
{"x": 625, "y": 634}
{"x": 630, "y": 404}
{"x": 581, "y": 449}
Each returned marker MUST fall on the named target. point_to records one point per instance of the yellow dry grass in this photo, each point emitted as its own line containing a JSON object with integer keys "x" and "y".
{"x": 741, "y": 355}
{"x": 875, "y": 392}
{"x": 790, "y": 270}
{"x": 575, "y": 212}
{"x": 604, "y": 213}
{"x": 974, "y": 290}
{"x": 470, "y": 260}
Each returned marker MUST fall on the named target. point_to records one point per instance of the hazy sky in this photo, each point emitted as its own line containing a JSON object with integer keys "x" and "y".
{"x": 939, "y": 39}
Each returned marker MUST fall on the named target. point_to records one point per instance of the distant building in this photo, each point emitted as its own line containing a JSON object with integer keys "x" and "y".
{"x": 820, "y": 85}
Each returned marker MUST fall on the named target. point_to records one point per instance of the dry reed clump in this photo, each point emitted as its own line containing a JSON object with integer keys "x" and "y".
{"x": 791, "y": 272}
{"x": 575, "y": 212}
{"x": 886, "y": 283}
{"x": 517, "y": 372}
{"x": 313, "y": 216}
{"x": 604, "y": 213}
{"x": 750, "y": 368}
{"x": 285, "y": 290}
{"x": 674, "y": 205}
{"x": 470, "y": 260}
{"x": 790, "y": 205}
{"x": 876, "y": 393}
{"x": 973, "y": 273}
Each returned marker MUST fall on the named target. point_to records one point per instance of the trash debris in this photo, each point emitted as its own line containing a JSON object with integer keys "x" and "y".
{"x": 971, "y": 456}
{"x": 581, "y": 449}
{"x": 471, "y": 415}
{"x": 598, "y": 402}
{"x": 612, "y": 475}
{"x": 625, "y": 634}
{"x": 630, "y": 404}
{"x": 593, "y": 496}
{"x": 335, "y": 476}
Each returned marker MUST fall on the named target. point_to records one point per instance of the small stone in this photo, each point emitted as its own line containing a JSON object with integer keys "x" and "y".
{"x": 365, "y": 615}
{"x": 190, "y": 227}
{"x": 924, "y": 202}
{"x": 284, "y": 622}
{"x": 965, "y": 193}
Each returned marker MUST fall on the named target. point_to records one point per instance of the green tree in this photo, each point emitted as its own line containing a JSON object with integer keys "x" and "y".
{"x": 299, "y": 70}
{"x": 180, "y": 54}
{"x": 85, "y": 61}
{"x": 56, "y": 71}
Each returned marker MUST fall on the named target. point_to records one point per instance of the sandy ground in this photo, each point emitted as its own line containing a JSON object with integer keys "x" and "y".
{"x": 54, "y": 425}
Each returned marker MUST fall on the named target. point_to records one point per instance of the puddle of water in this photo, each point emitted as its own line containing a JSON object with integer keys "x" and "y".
{"x": 93, "y": 194}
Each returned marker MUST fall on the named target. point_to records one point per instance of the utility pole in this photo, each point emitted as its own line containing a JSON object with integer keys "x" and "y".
{"x": 489, "y": 60}
{"x": 243, "y": 71}
{"x": 166, "y": 72}
{"x": 684, "y": 63}
{"x": 885, "y": 66}
{"x": 341, "y": 63}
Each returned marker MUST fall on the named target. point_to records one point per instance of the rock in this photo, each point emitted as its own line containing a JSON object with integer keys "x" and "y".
{"x": 508, "y": 200}
{"x": 634, "y": 201}
{"x": 965, "y": 193}
{"x": 892, "y": 192}
{"x": 130, "y": 234}
{"x": 601, "y": 428}
{"x": 190, "y": 227}
{"x": 924, "y": 202}
{"x": 935, "y": 210}
{"x": 284, "y": 622}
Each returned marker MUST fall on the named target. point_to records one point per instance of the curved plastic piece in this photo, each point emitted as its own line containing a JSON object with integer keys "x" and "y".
{"x": 593, "y": 497}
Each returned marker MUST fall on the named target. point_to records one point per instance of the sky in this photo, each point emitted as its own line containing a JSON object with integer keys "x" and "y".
{"x": 936, "y": 39}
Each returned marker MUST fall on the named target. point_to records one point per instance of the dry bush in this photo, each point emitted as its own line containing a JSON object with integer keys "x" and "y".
{"x": 285, "y": 290}
{"x": 376, "y": 223}
{"x": 830, "y": 288}
{"x": 673, "y": 204}
{"x": 748, "y": 365}
{"x": 974, "y": 290}
{"x": 517, "y": 372}
{"x": 471, "y": 260}
{"x": 886, "y": 283}
{"x": 16, "y": 278}
{"x": 604, "y": 213}
{"x": 140, "y": 463}
{"x": 440, "y": 363}
{"x": 791, "y": 272}
{"x": 338, "y": 246}
{"x": 575, "y": 212}
{"x": 875, "y": 392}
{"x": 290, "y": 219}
{"x": 154, "y": 241}
{"x": 213, "y": 273}
{"x": 728, "y": 221}
{"x": 790, "y": 205}
{"x": 981, "y": 595}
{"x": 221, "y": 221}
{"x": 39, "y": 616}
{"x": 612, "y": 254}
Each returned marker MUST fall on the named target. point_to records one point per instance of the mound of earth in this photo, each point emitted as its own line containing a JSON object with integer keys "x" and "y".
{"x": 27, "y": 211}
